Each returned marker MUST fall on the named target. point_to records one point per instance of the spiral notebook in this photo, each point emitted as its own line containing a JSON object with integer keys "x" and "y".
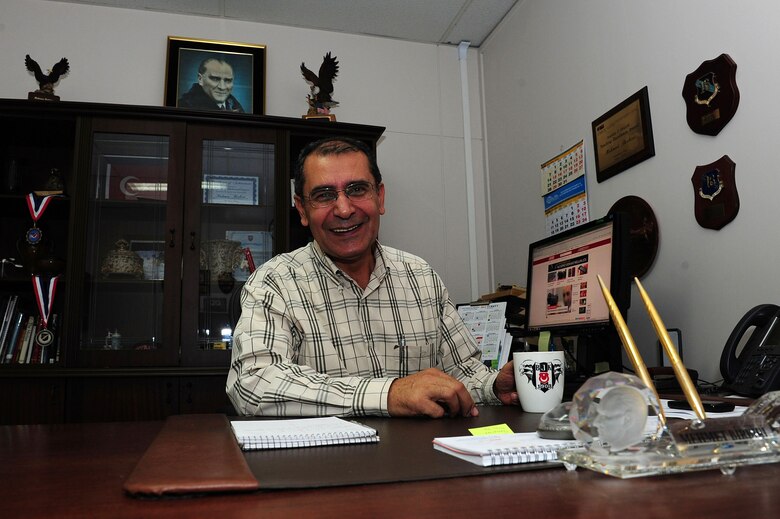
{"x": 300, "y": 432}
{"x": 503, "y": 449}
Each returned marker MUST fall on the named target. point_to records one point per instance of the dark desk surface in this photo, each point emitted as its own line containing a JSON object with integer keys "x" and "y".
{"x": 77, "y": 470}
{"x": 404, "y": 453}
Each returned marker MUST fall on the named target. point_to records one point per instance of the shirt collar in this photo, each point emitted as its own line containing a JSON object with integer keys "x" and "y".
{"x": 327, "y": 265}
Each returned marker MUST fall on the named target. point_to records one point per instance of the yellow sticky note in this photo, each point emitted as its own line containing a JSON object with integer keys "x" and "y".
{"x": 491, "y": 429}
{"x": 544, "y": 341}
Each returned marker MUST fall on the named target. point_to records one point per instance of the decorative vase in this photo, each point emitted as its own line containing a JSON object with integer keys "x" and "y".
{"x": 221, "y": 257}
{"x": 123, "y": 262}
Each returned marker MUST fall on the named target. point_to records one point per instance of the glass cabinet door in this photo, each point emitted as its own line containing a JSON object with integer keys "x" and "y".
{"x": 132, "y": 272}
{"x": 232, "y": 229}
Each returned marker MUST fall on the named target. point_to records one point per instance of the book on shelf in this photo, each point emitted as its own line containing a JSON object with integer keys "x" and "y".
{"x": 51, "y": 353}
{"x": 26, "y": 341}
{"x": 21, "y": 339}
{"x": 18, "y": 331}
{"x": 8, "y": 313}
{"x": 300, "y": 432}
{"x": 13, "y": 338}
{"x": 503, "y": 449}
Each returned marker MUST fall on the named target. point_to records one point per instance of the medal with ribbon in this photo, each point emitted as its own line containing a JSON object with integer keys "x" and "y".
{"x": 37, "y": 206}
{"x": 44, "y": 288}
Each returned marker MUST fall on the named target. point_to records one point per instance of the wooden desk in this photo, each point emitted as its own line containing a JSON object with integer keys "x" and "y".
{"x": 77, "y": 470}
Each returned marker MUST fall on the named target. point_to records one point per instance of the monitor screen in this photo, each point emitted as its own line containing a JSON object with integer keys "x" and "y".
{"x": 563, "y": 294}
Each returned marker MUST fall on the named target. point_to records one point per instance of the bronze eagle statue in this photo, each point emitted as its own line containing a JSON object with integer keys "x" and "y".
{"x": 46, "y": 81}
{"x": 322, "y": 84}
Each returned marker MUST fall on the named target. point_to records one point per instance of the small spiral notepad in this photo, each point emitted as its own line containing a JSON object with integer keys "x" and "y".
{"x": 502, "y": 449}
{"x": 301, "y": 432}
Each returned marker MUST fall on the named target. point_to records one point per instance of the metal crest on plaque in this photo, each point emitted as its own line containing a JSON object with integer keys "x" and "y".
{"x": 711, "y": 95}
{"x": 715, "y": 193}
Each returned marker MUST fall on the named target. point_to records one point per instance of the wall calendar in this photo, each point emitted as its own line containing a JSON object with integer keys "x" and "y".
{"x": 564, "y": 190}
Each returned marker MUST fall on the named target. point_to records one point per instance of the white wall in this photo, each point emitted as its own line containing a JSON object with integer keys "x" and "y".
{"x": 118, "y": 56}
{"x": 555, "y": 66}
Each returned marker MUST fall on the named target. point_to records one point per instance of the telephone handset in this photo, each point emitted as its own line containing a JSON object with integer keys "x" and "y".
{"x": 757, "y": 368}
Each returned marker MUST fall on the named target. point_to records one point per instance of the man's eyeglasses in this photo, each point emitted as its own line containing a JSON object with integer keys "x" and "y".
{"x": 326, "y": 196}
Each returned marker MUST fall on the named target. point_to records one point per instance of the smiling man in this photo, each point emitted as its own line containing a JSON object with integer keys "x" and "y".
{"x": 347, "y": 326}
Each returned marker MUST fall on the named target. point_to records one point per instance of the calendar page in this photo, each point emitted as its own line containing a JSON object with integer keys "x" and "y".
{"x": 563, "y": 168}
{"x": 570, "y": 213}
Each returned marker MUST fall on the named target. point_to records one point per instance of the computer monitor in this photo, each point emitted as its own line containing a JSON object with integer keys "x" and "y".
{"x": 563, "y": 295}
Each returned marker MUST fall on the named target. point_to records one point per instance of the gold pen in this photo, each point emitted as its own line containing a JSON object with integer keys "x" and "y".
{"x": 630, "y": 345}
{"x": 679, "y": 368}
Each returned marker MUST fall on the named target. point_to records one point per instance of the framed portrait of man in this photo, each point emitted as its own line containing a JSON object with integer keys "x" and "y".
{"x": 215, "y": 75}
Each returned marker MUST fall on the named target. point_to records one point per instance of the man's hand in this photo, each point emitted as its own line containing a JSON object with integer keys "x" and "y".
{"x": 430, "y": 393}
{"x": 504, "y": 386}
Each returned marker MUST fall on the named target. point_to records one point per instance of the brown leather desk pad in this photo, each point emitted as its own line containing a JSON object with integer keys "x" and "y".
{"x": 192, "y": 454}
{"x": 404, "y": 453}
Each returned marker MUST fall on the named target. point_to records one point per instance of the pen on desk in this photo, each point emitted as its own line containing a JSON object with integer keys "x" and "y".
{"x": 629, "y": 345}
{"x": 679, "y": 368}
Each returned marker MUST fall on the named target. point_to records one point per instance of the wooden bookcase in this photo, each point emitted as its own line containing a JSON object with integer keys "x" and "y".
{"x": 172, "y": 189}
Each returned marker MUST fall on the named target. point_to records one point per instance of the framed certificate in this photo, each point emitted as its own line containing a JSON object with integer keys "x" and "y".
{"x": 623, "y": 137}
{"x": 231, "y": 190}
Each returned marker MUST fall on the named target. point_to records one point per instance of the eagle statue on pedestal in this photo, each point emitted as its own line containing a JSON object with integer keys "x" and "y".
{"x": 321, "y": 85}
{"x": 46, "y": 81}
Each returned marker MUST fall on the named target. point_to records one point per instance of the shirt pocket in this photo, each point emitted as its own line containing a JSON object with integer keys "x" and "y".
{"x": 407, "y": 359}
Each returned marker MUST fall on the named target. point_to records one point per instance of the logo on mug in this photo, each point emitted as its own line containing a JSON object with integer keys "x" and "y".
{"x": 543, "y": 375}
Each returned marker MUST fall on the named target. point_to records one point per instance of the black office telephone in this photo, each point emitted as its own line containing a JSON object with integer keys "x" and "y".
{"x": 756, "y": 370}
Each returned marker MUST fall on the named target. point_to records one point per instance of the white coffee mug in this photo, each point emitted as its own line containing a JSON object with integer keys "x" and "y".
{"x": 539, "y": 379}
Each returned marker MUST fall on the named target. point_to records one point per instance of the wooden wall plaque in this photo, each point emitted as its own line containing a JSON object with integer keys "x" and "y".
{"x": 715, "y": 193}
{"x": 711, "y": 95}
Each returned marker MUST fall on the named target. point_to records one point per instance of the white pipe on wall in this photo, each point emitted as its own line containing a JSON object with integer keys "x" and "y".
{"x": 470, "y": 203}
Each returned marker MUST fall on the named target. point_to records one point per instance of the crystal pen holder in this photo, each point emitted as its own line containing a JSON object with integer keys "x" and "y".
{"x": 691, "y": 445}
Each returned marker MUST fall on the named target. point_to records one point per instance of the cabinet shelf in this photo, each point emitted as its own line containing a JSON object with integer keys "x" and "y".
{"x": 132, "y": 205}
{"x": 121, "y": 283}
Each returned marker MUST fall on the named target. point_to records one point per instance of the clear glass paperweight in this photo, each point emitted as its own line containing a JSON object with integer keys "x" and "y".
{"x": 609, "y": 413}
{"x": 555, "y": 424}
{"x": 605, "y": 414}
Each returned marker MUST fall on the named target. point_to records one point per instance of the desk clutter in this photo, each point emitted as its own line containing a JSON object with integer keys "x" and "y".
{"x": 79, "y": 469}
{"x": 493, "y": 319}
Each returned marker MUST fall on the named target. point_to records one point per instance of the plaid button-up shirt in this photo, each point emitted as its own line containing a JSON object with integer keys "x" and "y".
{"x": 311, "y": 342}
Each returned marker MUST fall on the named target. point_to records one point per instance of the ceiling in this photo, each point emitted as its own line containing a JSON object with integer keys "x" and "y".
{"x": 427, "y": 21}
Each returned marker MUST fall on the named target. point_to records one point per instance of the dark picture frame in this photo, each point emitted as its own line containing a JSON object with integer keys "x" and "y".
{"x": 623, "y": 137}
{"x": 185, "y": 56}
